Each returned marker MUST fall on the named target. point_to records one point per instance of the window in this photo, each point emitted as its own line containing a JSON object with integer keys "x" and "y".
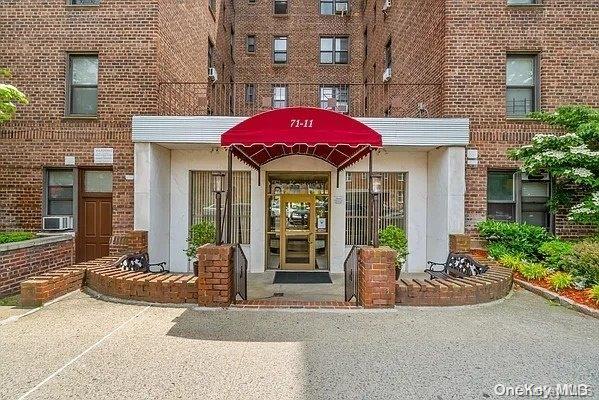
{"x": 334, "y": 50}
{"x": 280, "y": 50}
{"x": 331, "y": 7}
{"x": 335, "y": 97}
{"x": 280, "y": 6}
{"x": 84, "y": 2}
{"x": 97, "y": 181}
{"x": 279, "y": 96}
{"x": 517, "y": 197}
{"x": 522, "y": 84}
{"x": 59, "y": 192}
{"x": 202, "y": 202}
{"x": 388, "y": 59}
{"x": 250, "y": 44}
{"x": 250, "y": 93}
{"x": 523, "y": 2}
{"x": 392, "y": 204}
{"x": 83, "y": 84}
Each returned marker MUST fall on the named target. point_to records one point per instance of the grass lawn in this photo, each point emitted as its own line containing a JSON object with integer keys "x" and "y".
{"x": 10, "y": 301}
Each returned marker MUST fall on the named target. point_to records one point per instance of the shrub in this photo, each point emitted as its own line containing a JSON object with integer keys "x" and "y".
{"x": 511, "y": 261}
{"x": 594, "y": 293}
{"x": 516, "y": 238}
{"x": 555, "y": 254}
{"x": 10, "y": 237}
{"x": 199, "y": 234}
{"x": 584, "y": 261}
{"x": 532, "y": 271}
{"x": 561, "y": 280}
{"x": 395, "y": 237}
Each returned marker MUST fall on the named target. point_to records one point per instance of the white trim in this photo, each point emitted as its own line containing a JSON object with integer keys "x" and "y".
{"x": 394, "y": 131}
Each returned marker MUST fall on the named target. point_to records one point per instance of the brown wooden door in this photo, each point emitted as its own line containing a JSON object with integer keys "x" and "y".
{"x": 95, "y": 215}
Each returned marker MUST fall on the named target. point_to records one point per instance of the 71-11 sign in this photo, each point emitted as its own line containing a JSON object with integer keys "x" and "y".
{"x": 302, "y": 123}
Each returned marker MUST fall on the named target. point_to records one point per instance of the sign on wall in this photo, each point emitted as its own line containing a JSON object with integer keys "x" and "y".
{"x": 103, "y": 155}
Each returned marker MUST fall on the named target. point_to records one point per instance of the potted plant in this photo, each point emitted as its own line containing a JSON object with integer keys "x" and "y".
{"x": 395, "y": 237}
{"x": 200, "y": 234}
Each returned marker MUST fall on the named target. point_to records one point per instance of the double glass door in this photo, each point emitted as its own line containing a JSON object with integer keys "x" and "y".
{"x": 297, "y": 231}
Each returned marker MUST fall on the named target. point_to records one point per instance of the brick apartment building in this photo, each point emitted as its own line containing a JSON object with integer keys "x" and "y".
{"x": 129, "y": 101}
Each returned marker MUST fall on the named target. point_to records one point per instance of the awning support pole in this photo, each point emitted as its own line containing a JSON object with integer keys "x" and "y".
{"x": 230, "y": 197}
{"x": 369, "y": 209}
{"x": 259, "y": 177}
{"x": 338, "y": 174}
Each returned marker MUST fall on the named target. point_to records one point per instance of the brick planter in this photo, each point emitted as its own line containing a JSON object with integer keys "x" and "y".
{"x": 216, "y": 287}
{"x": 492, "y": 285}
{"x": 21, "y": 260}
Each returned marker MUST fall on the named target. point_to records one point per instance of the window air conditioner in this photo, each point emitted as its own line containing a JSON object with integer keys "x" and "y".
{"x": 212, "y": 74}
{"x": 386, "y": 5}
{"x": 62, "y": 223}
{"x": 341, "y": 9}
{"x": 342, "y": 108}
{"x": 539, "y": 177}
{"x": 387, "y": 75}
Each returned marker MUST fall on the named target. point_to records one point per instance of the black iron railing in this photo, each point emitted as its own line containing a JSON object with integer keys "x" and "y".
{"x": 350, "y": 266}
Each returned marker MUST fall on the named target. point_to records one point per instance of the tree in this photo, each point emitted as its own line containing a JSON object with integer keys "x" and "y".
{"x": 10, "y": 96}
{"x": 572, "y": 159}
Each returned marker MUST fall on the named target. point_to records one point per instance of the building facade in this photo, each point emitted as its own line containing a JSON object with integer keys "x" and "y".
{"x": 129, "y": 102}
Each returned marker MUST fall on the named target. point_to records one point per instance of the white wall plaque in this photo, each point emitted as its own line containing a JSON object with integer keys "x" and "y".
{"x": 103, "y": 155}
{"x": 129, "y": 177}
{"x": 338, "y": 200}
{"x": 69, "y": 160}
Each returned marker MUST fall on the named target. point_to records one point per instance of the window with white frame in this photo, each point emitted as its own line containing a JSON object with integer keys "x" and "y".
{"x": 334, "y": 50}
{"x": 335, "y": 97}
{"x": 280, "y": 49}
{"x": 203, "y": 206}
{"x": 391, "y": 210}
{"x": 59, "y": 191}
{"x": 279, "y": 96}
{"x": 250, "y": 43}
{"x": 521, "y": 84}
{"x": 517, "y": 197}
{"x": 250, "y": 93}
{"x": 83, "y": 85}
{"x": 332, "y": 7}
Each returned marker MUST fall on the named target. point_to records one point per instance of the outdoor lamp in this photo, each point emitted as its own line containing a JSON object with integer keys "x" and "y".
{"x": 376, "y": 184}
{"x": 218, "y": 182}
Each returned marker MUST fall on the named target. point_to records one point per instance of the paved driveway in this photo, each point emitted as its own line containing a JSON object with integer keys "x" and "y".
{"x": 83, "y": 348}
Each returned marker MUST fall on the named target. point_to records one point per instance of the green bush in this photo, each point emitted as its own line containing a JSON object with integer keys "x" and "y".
{"x": 10, "y": 237}
{"x": 594, "y": 293}
{"x": 583, "y": 261}
{"x": 395, "y": 237}
{"x": 532, "y": 271}
{"x": 199, "y": 234}
{"x": 561, "y": 280}
{"x": 515, "y": 238}
{"x": 555, "y": 254}
{"x": 511, "y": 261}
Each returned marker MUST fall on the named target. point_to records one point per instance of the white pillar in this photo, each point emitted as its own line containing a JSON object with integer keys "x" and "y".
{"x": 445, "y": 201}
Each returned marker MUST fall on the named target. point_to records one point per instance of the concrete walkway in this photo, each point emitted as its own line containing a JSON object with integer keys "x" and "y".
{"x": 83, "y": 348}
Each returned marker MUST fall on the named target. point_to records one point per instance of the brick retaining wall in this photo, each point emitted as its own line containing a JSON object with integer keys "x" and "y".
{"x": 21, "y": 260}
{"x": 494, "y": 284}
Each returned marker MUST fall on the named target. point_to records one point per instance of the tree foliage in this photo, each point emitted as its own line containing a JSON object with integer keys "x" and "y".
{"x": 572, "y": 159}
{"x": 10, "y": 97}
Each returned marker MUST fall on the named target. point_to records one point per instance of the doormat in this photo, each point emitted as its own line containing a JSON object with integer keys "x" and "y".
{"x": 302, "y": 277}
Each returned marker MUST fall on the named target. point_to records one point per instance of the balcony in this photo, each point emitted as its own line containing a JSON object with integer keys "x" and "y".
{"x": 422, "y": 100}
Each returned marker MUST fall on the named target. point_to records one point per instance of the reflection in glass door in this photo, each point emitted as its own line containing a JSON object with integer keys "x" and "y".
{"x": 297, "y": 230}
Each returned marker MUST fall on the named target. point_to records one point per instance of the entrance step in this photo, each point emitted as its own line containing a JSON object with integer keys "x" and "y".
{"x": 294, "y": 304}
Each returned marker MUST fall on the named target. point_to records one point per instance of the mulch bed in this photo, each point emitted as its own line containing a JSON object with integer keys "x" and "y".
{"x": 579, "y": 296}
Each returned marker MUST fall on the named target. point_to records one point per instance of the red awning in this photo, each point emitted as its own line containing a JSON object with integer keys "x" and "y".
{"x": 331, "y": 136}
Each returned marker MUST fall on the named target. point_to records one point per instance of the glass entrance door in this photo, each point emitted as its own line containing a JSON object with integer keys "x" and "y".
{"x": 297, "y": 231}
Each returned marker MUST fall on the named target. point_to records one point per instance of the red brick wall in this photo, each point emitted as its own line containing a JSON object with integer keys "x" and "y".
{"x": 19, "y": 264}
{"x": 478, "y": 36}
{"x": 376, "y": 277}
{"x": 215, "y": 282}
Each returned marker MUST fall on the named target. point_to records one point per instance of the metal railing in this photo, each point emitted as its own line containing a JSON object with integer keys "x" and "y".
{"x": 350, "y": 266}
{"x": 240, "y": 269}
{"x": 420, "y": 100}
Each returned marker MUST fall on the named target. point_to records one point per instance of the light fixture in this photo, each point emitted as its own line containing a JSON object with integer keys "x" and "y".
{"x": 376, "y": 183}
{"x": 218, "y": 182}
